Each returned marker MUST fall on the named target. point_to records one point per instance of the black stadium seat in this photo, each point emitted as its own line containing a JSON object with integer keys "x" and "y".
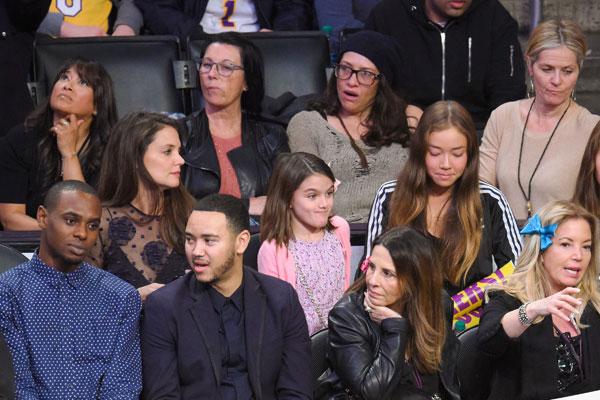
{"x": 10, "y": 257}
{"x": 141, "y": 67}
{"x": 294, "y": 62}
{"x": 474, "y": 368}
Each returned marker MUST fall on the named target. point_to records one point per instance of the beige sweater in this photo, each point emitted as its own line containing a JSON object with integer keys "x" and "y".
{"x": 555, "y": 177}
{"x": 309, "y": 132}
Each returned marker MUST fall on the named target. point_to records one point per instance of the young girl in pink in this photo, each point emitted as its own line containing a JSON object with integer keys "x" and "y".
{"x": 302, "y": 243}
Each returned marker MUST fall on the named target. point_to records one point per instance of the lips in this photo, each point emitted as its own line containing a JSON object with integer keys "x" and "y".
{"x": 63, "y": 96}
{"x": 572, "y": 271}
{"x": 77, "y": 250}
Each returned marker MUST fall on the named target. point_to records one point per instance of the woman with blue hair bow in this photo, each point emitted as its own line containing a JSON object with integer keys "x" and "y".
{"x": 542, "y": 326}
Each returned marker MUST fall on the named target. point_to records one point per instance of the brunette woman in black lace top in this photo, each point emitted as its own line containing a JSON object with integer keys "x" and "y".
{"x": 145, "y": 205}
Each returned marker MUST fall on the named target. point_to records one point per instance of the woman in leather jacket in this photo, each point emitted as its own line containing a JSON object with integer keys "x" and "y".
{"x": 231, "y": 149}
{"x": 389, "y": 337}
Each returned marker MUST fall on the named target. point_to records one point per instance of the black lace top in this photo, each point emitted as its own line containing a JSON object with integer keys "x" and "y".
{"x": 129, "y": 245}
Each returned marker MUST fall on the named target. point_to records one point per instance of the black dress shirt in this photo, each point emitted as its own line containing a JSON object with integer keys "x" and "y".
{"x": 235, "y": 384}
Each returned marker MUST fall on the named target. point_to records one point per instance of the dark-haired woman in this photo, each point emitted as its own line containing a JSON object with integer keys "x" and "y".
{"x": 63, "y": 138}
{"x": 390, "y": 336}
{"x": 231, "y": 150}
{"x": 587, "y": 188}
{"x": 438, "y": 192}
{"x": 142, "y": 230}
{"x": 361, "y": 128}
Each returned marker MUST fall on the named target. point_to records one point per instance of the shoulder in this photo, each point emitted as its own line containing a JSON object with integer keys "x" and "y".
{"x": 257, "y": 121}
{"x": 280, "y": 295}
{"x": 491, "y": 194}
{"x": 349, "y": 307}
{"x": 12, "y": 279}
{"x": 508, "y": 108}
{"x": 107, "y": 283}
{"x": 385, "y": 190}
{"x": 305, "y": 122}
{"x": 339, "y": 223}
{"x": 585, "y": 118}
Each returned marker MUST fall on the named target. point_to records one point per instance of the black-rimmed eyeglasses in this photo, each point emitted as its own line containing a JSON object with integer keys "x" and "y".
{"x": 223, "y": 68}
{"x": 364, "y": 77}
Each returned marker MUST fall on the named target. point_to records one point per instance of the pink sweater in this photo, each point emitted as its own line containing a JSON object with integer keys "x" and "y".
{"x": 276, "y": 260}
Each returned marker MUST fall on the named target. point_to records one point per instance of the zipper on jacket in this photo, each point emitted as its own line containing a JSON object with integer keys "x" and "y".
{"x": 443, "y": 39}
{"x": 512, "y": 60}
{"x": 470, "y": 41}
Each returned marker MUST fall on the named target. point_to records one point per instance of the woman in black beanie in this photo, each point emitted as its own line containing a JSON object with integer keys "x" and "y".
{"x": 361, "y": 127}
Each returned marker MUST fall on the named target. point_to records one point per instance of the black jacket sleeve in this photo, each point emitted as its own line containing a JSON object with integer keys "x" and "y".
{"x": 369, "y": 367}
{"x": 491, "y": 337}
{"x": 505, "y": 80}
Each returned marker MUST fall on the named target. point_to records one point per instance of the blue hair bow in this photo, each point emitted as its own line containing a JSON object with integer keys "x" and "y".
{"x": 534, "y": 227}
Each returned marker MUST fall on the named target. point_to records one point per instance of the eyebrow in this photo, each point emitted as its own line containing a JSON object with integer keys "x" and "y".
{"x": 317, "y": 190}
{"x": 454, "y": 148}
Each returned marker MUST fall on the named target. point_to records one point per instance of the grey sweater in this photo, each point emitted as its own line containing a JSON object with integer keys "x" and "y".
{"x": 308, "y": 131}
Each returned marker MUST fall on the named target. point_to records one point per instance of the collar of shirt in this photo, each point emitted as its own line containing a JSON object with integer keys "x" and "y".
{"x": 54, "y": 276}
{"x": 218, "y": 300}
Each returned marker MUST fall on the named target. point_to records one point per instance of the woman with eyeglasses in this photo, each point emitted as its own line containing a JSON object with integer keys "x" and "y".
{"x": 361, "y": 128}
{"x": 231, "y": 149}
{"x": 542, "y": 327}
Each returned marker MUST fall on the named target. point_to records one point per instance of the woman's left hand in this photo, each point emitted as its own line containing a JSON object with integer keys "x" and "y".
{"x": 67, "y": 132}
{"x": 378, "y": 313}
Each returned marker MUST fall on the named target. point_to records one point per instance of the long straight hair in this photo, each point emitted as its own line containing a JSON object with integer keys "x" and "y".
{"x": 41, "y": 119}
{"x": 291, "y": 169}
{"x": 587, "y": 188}
{"x": 461, "y": 231}
{"x": 421, "y": 283}
{"x": 530, "y": 280}
{"x": 123, "y": 171}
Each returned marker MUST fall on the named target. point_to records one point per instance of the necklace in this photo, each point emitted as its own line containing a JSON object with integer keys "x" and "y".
{"x": 439, "y": 214}
{"x": 361, "y": 155}
{"x": 527, "y": 195}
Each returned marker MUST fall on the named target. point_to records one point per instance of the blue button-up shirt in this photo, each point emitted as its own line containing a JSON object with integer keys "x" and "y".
{"x": 72, "y": 335}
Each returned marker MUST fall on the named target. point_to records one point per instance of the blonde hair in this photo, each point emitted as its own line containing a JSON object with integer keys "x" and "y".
{"x": 554, "y": 33}
{"x": 530, "y": 280}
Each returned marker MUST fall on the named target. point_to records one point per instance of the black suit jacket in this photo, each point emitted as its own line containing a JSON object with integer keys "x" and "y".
{"x": 180, "y": 341}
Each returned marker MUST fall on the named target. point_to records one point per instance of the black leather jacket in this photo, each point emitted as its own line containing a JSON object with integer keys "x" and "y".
{"x": 369, "y": 358}
{"x": 262, "y": 141}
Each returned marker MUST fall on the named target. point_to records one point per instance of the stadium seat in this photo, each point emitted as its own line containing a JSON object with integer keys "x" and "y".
{"x": 474, "y": 368}
{"x": 10, "y": 257}
{"x": 147, "y": 72}
{"x": 318, "y": 347}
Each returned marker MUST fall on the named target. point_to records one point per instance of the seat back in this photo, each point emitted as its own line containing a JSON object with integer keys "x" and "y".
{"x": 141, "y": 68}
{"x": 474, "y": 368}
{"x": 10, "y": 257}
{"x": 294, "y": 62}
{"x": 319, "y": 343}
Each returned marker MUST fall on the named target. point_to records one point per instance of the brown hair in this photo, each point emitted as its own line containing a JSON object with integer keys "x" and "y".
{"x": 461, "y": 233}
{"x": 123, "y": 170}
{"x": 421, "y": 282}
{"x": 387, "y": 120}
{"x": 291, "y": 169}
{"x": 587, "y": 189}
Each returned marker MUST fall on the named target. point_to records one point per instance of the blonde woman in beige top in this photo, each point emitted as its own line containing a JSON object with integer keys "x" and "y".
{"x": 532, "y": 148}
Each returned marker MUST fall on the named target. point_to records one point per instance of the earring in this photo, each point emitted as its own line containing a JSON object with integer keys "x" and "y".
{"x": 531, "y": 89}
{"x": 573, "y": 96}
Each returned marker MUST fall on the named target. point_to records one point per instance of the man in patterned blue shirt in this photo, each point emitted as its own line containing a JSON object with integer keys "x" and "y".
{"x": 72, "y": 328}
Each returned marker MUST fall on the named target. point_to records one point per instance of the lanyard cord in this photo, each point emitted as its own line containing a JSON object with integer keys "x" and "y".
{"x": 527, "y": 195}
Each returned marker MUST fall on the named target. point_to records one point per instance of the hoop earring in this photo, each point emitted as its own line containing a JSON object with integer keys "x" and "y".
{"x": 531, "y": 89}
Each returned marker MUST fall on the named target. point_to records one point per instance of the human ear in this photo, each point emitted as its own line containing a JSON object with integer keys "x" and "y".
{"x": 42, "y": 216}
{"x": 241, "y": 242}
